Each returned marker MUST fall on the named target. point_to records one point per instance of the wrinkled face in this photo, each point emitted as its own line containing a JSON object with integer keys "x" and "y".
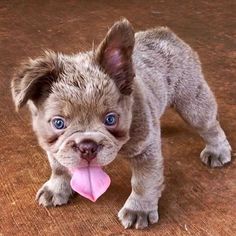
{"x": 85, "y": 118}
{"x": 81, "y": 105}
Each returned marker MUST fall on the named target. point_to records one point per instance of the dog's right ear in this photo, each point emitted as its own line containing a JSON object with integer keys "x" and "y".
{"x": 34, "y": 79}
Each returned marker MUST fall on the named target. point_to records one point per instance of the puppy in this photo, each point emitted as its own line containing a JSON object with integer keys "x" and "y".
{"x": 90, "y": 107}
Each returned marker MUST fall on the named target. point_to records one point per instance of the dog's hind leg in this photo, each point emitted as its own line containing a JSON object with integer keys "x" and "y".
{"x": 196, "y": 104}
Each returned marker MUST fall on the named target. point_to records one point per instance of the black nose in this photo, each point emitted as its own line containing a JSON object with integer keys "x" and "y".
{"x": 88, "y": 149}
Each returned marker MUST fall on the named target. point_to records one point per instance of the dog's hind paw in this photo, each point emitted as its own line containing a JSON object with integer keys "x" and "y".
{"x": 216, "y": 155}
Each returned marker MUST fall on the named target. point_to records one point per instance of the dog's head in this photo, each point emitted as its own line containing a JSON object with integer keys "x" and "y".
{"x": 81, "y": 105}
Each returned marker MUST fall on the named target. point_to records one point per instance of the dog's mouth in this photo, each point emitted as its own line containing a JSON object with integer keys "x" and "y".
{"x": 90, "y": 181}
{"x": 84, "y": 155}
{"x": 88, "y": 177}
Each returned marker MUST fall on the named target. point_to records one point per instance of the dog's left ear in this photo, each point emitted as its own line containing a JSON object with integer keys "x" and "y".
{"x": 114, "y": 55}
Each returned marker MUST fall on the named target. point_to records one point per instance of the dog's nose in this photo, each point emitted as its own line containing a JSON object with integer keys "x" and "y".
{"x": 88, "y": 149}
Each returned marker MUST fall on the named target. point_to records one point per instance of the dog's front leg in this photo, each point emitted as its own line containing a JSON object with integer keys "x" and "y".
{"x": 56, "y": 191}
{"x": 141, "y": 208}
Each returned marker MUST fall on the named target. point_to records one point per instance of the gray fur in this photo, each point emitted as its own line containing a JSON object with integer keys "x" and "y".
{"x": 138, "y": 76}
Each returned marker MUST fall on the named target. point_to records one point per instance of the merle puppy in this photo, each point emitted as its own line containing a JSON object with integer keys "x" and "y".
{"x": 90, "y": 107}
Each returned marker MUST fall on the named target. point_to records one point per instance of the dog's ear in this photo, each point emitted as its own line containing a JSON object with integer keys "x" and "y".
{"x": 34, "y": 79}
{"x": 114, "y": 55}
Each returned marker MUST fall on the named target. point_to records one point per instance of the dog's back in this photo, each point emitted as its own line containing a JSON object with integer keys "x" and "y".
{"x": 168, "y": 73}
{"x": 166, "y": 64}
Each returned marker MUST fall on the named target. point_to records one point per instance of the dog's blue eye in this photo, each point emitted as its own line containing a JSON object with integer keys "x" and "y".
{"x": 111, "y": 119}
{"x": 58, "y": 123}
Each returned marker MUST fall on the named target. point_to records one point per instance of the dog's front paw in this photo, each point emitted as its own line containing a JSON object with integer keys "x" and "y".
{"x": 216, "y": 155}
{"x": 54, "y": 192}
{"x": 137, "y": 214}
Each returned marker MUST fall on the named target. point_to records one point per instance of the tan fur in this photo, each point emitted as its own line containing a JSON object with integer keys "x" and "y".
{"x": 136, "y": 76}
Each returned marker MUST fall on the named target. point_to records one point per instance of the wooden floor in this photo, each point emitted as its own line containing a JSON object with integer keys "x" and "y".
{"x": 196, "y": 200}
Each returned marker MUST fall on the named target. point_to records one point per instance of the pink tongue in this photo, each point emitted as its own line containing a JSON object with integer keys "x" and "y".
{"x": 90, "y": 182}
